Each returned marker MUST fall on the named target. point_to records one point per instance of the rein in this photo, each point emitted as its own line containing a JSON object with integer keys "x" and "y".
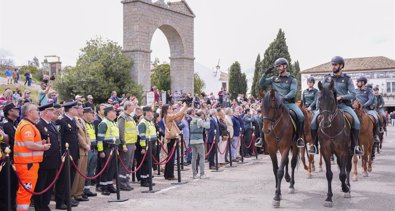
{"x": 333, "y": 115}
{"x": 273, "y": 124}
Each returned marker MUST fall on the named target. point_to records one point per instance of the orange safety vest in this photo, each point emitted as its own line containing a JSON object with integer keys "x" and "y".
{"x": 27, "y": 131}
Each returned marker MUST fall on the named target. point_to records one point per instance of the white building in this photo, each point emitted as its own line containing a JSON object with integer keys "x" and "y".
{"x": 378, "y": 70}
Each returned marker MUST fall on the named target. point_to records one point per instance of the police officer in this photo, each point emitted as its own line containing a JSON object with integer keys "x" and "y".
{"x": 345, "y": 90}
{"x": 68, "y": 134}
{"x": 128, "y": 138}
{"x": 286, "y": 86}
{"x": 52, "y": 157}
{"x": 107, "y": 138}
{"x": 147, "y": 134}
{"x": 380, "y": 105}
{"x": 366, "y": 97}
{"x": 309, "y": 95}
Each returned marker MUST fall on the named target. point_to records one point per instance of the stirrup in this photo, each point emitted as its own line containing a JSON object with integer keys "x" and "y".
{"x": 376, "y": 139}
{"x": 381, "y": 130}
{"x": 314, "y": 151}
{"x": 300, "y": 143}
{"x": 259, "y": 143}
{"x": 358, "y": 149}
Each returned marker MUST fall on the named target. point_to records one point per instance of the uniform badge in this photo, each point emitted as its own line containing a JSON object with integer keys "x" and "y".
{"x": 46, "y": 129}
{"x": 57, "y": 128}
{"x": 69, "y": 126}
{"x": 286, "y": 82}
{"x": 342, "y": 81}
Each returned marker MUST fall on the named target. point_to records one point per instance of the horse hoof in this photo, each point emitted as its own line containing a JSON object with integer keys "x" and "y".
{"x": 328, "y": 204}
{"x": 291, "y": 190}
{"x": 309, "y": 176}
{"x": 370, "y": 169}
{"x": 276, "y": 204}
{"x": 347, "y": 195}
{"x": 365, "y": 174}
{"x": 320, "y": 169}
{"x": 354, "y": 178}
{"x": 313, "y": 169}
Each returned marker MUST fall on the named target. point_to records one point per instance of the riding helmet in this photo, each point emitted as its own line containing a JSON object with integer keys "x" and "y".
{"x": 337, "y": 60}
{"x": 281, "y": 61}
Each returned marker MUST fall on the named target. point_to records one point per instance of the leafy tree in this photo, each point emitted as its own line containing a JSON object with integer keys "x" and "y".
{"x": 198, "y": 84}
{"x": 296, "y": 73}
{"x": 160, "y": 77}
{"x": 256, "y": 72}
{"x": 237, "y": 81}
{"x": 101, "y": 68}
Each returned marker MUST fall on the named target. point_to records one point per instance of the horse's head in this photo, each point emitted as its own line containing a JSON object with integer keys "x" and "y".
{"x": 358, "y": 107}
{"x": 327, "y": 103}
{"x": 271, "y": 106}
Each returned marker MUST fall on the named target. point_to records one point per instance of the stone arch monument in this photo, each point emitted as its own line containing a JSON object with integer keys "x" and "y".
{"x": 141, "y": 18}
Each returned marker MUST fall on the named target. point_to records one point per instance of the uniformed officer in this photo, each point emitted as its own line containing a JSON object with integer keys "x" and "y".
{"x": 107, "y": 138}
{"x": 52, "y": 157}
{"x": 379, "y": 104}
{"x": 345, "y": 90}
{"x": 309, "y": 95}
{"x": 128, "y": 138}
{"x": 69, "y": 134}
{"x": 286, "y": 86}
{"x": 147, "y": 134}
{"x": 366, "y": 97}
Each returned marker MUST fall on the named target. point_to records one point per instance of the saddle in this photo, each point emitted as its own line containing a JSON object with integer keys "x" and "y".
{"x": 348, "y": 118}
{"x": 294, "y": 118}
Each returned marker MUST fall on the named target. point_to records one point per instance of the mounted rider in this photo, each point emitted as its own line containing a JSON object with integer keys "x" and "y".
{"x": 309, "y": 95}
{"x": 286, "y": 86}
{"x": 345, "y": 93}
{"x": 380, "y": 105}
{"x": 366, "y": 97}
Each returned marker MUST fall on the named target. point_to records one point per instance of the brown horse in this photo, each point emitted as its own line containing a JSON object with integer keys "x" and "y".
{"x": 308, "y": 116}
{"x": 365, "y": 140}
{"x": 334, "y": 135}
{"x": 279, "y": 135}
{"x": 381, "y": 134}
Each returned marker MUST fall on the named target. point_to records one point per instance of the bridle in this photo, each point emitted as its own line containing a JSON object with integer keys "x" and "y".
{"x": 273, "y": 122}
{"x": 332, "y": 115}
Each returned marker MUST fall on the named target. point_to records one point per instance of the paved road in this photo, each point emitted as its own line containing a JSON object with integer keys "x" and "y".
{"x": 251, "y": 187}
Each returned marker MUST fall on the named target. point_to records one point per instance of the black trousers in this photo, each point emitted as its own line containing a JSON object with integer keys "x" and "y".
{"x": 110, "y": 171}
{"x": 211, "y": 156}
{"x": 169, "y": 168}
{"x": 3, "y": 189}
{"x": 247, "y": 140}
{"x": 61, "y": 185}
{"x": 45, "y": 178}
{"x": 143, "y": 173}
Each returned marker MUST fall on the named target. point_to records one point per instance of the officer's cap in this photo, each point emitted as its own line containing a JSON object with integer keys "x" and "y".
{"x": 147, "y": 109}
{"x": 8, "y": 107}
{"x": 71, "y": 104}
{"x": 49, "y": 106}
{"x": 88, "y": 110}
{"x": 108, "y": 109}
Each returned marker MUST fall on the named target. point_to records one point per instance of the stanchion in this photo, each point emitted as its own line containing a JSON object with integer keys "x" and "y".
{"x": 230, "y": 154}
{"x": 8, "y": 174}
{"x": 254, "y": 147}
{"x": 133, "y": 172}
{"x": 178, "y": 166}
{"x": 149, "y": 160}
{"x": 117, "y": 173}
{"x": 182, "y": 151}
{"x": 158, "y": 153}
{"x": 68, "y": 178}
{"x": 216, "y": 153}
{"x": 242, "y": 146}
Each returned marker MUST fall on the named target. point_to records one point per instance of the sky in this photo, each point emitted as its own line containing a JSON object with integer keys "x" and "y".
{"x": 228, "y": 30}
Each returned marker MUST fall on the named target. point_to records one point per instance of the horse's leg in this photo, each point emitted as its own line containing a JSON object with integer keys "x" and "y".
{"x": 364, "y": 162}
{"x": 343, "y": 164}
{"x": 294, "y": 161}
{"x": 355, "y": 168}
{"x": 287, "y": 177}
{"x": 320, "y": 163}
{"x": 273, "y": 156}
{"x": 280, "y": 175}
{"x": 369, "y": 159}
{"x": 312, "y": 163}
{"x": 348, "y": 170}
{"x": 329, "y": 176}
{"x": 303, "y": 151}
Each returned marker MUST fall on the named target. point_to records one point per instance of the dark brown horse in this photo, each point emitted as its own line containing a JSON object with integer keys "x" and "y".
{"x": 366, "y": 140}
{"x": 279, "y": 135}
{"x": 381, "y": 134}
{"x": 308, "y": 116}
{"x": 334, "y": 135}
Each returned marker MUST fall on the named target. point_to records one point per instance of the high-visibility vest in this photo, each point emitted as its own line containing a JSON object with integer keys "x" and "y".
{"x": 150, "y": 131}
{"x": 130, "y": 130}
{"x": 90, "y": 129}
{"x": 27, "y": 131}
{"x": 112, "y": 131}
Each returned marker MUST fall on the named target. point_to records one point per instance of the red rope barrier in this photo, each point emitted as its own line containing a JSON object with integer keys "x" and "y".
{"x": 187, "y": 151}
{"x": 126, "y": 168}
{"x": 211, "y": 148}
{"x": 226, "y": 148}
{"x": 50, "y": 185}
{"x": 98, "y": 174}
{"x": 248, "y": 146}
{"x": 238, "y": 143}
{"x": 163, "y": 148}
{"x": 166, "y": 160}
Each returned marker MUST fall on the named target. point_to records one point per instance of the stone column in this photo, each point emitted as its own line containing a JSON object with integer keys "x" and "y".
{"x": 141, "y": 67}
{"x": 181, "y": 73}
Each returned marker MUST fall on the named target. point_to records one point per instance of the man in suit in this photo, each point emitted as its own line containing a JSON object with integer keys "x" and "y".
{"x": 52, "y": 157}
{"x": 212, "y": 134}
{"x": 69, "y": 134}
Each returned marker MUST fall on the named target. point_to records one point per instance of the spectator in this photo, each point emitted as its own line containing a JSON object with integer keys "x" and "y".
{"x": 8, "y": 74}
{"x": 89, "y": 102}
{"x": 46, "y": 77}
{"x": 393, "y": 118}
{"x": 42, "y": 94}
{"x": 16, "y": 75}
{"x": 26, "y": 96}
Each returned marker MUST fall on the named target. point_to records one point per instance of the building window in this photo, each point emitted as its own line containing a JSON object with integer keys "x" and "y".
{"x": 388, "y": 87}
{"x": 393, "y": 86}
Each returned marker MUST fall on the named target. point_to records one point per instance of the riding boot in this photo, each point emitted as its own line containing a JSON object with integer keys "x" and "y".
{"x": 380, "y": 126}
{"x": 300, "y": 141}
{"x": 314, "y": 149}
{"x": 355, "y": 148}
{"x": 376, "y": 134}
